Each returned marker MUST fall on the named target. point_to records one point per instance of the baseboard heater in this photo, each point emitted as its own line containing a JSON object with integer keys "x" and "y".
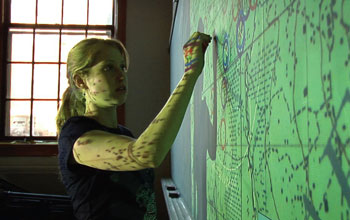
{"x": 176, "y": 207}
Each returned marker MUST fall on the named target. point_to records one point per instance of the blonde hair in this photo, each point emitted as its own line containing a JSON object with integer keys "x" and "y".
{"x": 80, "y": 59}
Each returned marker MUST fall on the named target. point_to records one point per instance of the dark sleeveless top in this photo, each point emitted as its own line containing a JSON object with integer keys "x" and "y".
{"x": 99, "y": 194}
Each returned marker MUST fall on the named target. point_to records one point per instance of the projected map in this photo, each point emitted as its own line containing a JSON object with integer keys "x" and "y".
{"x": 270, "y": 115}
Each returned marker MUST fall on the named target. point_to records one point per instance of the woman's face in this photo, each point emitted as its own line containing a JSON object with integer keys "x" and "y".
{"x": 107, "y": 81}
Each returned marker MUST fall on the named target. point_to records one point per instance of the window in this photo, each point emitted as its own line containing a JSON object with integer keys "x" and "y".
{"x": 37, "y": 36}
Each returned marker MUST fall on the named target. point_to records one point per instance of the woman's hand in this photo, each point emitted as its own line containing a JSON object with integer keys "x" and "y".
{"x": 194, "y": 51}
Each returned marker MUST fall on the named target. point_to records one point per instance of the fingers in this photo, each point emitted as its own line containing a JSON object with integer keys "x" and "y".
{"x": 198, "y": 39}
{"x": 193, "y": 39}
{"x": 206, "y": 40}
{"x": 194, "y": 51}
{"x": 205, "y": 37}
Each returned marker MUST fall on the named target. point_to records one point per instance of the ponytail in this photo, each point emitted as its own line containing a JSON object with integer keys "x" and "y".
{"x": 73, "y": 104}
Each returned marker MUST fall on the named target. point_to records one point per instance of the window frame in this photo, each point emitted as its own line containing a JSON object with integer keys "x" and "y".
{"x": 43, "y": 145}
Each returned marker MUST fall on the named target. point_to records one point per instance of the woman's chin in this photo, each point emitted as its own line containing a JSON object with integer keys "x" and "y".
{"x": 120, "y": 101}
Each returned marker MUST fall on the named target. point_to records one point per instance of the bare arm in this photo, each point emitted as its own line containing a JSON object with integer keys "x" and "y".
{"x": 116, "y": 152}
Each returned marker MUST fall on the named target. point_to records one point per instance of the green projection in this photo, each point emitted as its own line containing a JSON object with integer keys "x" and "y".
{"x": 275, "y": 93}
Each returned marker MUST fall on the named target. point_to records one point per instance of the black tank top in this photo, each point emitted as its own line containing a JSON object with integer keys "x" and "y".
{"x": 99, "y": 194}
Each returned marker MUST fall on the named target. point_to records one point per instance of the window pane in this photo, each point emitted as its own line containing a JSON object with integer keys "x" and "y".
{"x": 17, "y": 118}
{"x": 99, "y": 34}
{"x": 49, "y": 12}
{"x": 100, "y": 12}
{"x": 46, "y": 46}
{"x": 21, "y": 44}
{"x": 45, "y": 81}
{"x": 19, "y": 81}
{"x": 44, "y": 114}
{"x": 68, "y": 40}
{"x": 63, "y": 80}
{"x": 75, "y": 12}
{"x": 22, "y": 11}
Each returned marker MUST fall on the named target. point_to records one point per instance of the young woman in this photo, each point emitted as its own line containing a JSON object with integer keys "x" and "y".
{"x": 107, "y": 172}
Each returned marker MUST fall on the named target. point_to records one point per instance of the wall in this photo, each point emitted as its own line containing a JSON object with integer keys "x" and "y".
{"x": 33, "y": 174}
{"x": 147, "y": 40}
{"x": 147, "y": 33}
{"x": 266, "y": 135}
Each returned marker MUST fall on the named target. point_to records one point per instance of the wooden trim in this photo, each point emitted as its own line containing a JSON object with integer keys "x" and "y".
{"x": 121, "y": 114}
{"x": 121, "y": 35}
{"x": 61, "y": 26}
{"x": 41, "y": 150}
{"x": 4, "y": 16}
{"x": 1, "y": 63}
{"x": 121, "y": 32}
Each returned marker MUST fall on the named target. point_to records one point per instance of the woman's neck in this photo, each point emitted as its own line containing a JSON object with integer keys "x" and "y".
{"x": 105, "y": 116}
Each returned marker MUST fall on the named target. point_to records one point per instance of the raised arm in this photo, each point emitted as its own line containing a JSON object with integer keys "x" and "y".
{"x": 116, "y": 152}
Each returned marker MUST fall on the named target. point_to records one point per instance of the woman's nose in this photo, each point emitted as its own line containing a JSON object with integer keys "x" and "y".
{"x": 121, "y": 77}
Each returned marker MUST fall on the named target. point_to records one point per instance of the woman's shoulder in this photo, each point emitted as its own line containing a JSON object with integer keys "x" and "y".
{"x": 77, "y": 119}
{"x": 125, "y": 131}
{"x": 78, "y": 124}
{"x": 83, "y": 124}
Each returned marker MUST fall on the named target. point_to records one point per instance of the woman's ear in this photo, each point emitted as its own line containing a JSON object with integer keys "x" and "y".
{"x": 79, "y": 82}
